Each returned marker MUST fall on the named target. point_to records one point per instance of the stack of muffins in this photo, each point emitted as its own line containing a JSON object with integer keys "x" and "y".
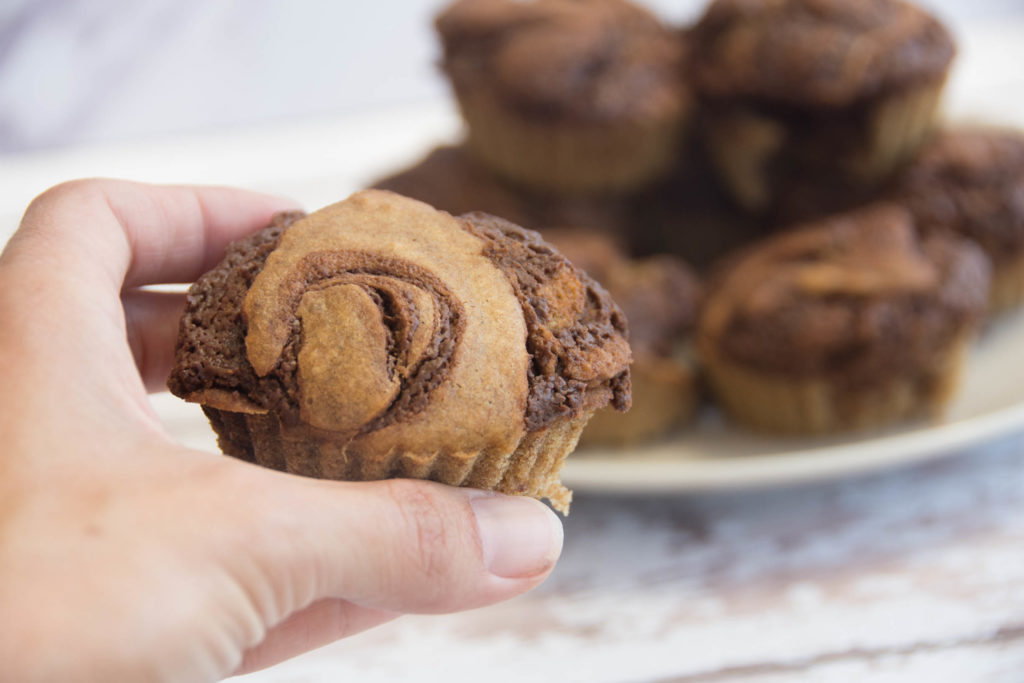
{"x": 766, "y": 193}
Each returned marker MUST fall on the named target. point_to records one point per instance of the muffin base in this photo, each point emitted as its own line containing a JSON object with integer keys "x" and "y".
{"x": 777, "y": 404}
{"x": 898, "y": 126}
{"x": 1007, "y": 291}
{"x": 569, "y": 157}
{"x": 531, "y": 470}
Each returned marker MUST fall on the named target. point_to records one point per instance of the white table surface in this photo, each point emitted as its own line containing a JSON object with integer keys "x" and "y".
{"x": 915, "y": 574}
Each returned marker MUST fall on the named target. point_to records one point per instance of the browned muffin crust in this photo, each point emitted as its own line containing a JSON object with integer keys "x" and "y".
{"x": 818, "y": 53}
{"x": 576, "y": 60}
{"x": 210, "y": 351}
{"x": 971, "y": 182}
{"x": 856, "y": 298}
{"x": 565, "y": 378}
{"x": 569, "y": 363}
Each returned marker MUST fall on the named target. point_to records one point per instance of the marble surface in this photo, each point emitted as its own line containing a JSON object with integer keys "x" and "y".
{"x": 912, "y": 575}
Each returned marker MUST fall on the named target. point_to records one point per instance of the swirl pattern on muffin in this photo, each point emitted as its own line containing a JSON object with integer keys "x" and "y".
{"x": 379, "y": 337}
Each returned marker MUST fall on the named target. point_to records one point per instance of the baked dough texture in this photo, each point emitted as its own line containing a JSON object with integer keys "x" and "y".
{"x": 381, "y": 338}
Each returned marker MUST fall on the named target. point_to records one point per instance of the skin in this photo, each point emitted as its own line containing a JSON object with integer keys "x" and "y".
{"x": 125, "y": 556}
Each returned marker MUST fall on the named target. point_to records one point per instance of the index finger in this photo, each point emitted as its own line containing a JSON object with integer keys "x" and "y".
{"x": 132, "y": 234}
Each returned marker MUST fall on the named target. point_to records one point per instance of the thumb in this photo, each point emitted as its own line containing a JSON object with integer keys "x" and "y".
{"x": 400, "y": 545}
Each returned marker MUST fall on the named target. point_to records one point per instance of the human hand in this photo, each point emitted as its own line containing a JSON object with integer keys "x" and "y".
{"x": 125, "y": 556}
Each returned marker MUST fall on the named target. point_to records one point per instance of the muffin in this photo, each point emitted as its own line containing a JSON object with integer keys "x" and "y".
{"x": 850, "y": 323}
{"x": 451, "y": 179}
{"x": 807, "y": 102}
{"x": 379, "y": 337}
{"x": 569, "y": 96}
{"x": 971, "y": 182}
{"x": 660, "y": 296}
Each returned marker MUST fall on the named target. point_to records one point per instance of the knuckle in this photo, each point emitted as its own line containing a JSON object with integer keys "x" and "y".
{"x": 68, "y": 190}
{"x": 55, "y": 203}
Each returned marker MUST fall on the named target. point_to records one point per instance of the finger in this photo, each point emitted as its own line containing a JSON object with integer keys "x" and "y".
{"x": 131, "y": 234}
{"x": 319, "y": 624}
{"x": 151, "y": 321}
{"x": 80, "y": 243}
{"x": 396, "y": 545}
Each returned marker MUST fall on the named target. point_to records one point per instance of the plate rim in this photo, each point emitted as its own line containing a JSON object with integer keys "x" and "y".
{"x": 772, "y": 470}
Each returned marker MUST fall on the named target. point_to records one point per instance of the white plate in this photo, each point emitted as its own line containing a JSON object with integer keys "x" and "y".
{"x": 320, "y": 162}
{"x": 715, "y": 456}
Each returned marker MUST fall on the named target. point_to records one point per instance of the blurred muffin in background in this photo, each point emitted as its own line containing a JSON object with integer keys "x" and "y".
{"x": 971, "y": 182}
{"x": 568, "y": 96}
{"x": 660, "y": 296}
{"x": 849, "y": 323}
{"x": 806, "y": 103}
{"x": 451, "y": 179}
{"x": 689, "y": 215}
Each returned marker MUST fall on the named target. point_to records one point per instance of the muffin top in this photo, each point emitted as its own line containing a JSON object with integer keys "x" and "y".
{"x": 660, "y": 295}
{"x": 386, "y": 324}
{"x": 580, "y": 60}
{"x": 856, "y": 296}
{"x": 819, "y": 53}
{"x": 971, "y": 182}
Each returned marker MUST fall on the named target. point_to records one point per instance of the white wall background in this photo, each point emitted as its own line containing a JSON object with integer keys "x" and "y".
{"x": 75, "y": 71}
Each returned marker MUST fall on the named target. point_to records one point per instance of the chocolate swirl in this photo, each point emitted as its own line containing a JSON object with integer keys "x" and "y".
{"x": 858, "y": 295}
{"x": 390, "y": 323}
{"x": 399, "y": 320}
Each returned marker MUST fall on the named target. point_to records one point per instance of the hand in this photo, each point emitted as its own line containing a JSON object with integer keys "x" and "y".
{"x": 125, "y": 556}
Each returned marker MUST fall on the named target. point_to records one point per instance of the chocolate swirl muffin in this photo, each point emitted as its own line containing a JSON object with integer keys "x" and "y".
{"x": 381, "y": 338}
{"x": 971, "y": 183}
{"x": 801, "y": 95}
{"x": 849, "y": 323}
{"x": 660, "y": 296}
{"x": 566, "y": 95}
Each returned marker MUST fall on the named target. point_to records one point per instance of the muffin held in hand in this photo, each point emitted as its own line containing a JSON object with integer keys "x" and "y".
{"x": 660, "y": 296}
{"x": 850, "y": 323}
{"x": 799, "y": 96}
{"x": 381, "y": 338}
{"x": 566, "y": 95}
{"x": 971, "y": 182}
